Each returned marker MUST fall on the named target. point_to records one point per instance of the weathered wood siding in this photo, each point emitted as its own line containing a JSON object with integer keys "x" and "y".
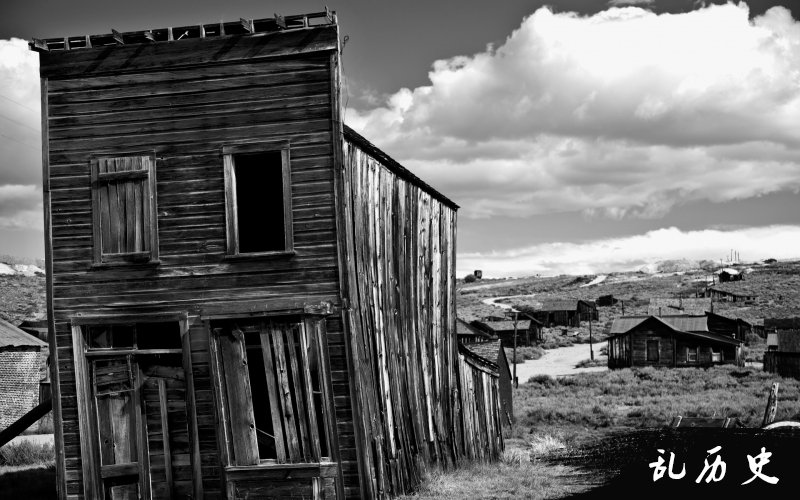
{"x": 480, "y": 435}
{"x": 186, "y": 101}
{"x": 400, "y": 244}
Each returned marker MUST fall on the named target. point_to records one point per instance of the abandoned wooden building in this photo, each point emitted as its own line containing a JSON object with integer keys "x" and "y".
{"x": 670, "y": 341}
{"x": 564, "y": 312}
{"x": 494, "y": 352}
{"x": 23, "y": 371}
{"x": 245, "y": 297}
{"x": 730, "y": 274}
{"x": 783, "y": 354}
{"x": 528, "y": 330}
{"x": 469, "y": 334}
{"x": 731, "y": 292}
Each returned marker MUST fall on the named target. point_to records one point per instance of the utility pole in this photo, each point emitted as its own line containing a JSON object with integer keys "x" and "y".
{"x": 591, "y": 346}
{"x": 516, "y": 382}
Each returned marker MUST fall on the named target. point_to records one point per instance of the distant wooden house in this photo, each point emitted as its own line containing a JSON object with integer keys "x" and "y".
{"x": 564, "y": 312}
{"x": 660, "y": 306}
{"x": 469, "y": 334}
{"x": 23, "y": 367}
{"x": 738, "y": 328}
{"x": 246, "y": 298}
{"x": 783, "y": 346}
{"x": 729, "y": 292}
{"x": 606, "y": 301}
{"x": 730, "y": 274}
{"x": 478, "y": 274}
{"x": 528, "y": 330}
{"x": 495, "y": 352}
{"x": 669, "y": 341}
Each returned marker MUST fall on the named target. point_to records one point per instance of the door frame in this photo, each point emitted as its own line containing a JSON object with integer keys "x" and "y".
{"x": 87, "y": 416}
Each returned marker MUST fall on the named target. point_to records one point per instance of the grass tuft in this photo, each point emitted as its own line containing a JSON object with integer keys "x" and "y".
{"x": 27, "y": 453}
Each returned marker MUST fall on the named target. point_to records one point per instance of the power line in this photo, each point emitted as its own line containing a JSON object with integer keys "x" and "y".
{"x": 19, "y": 123}
{"x": 18, "y": 103}
{"x": 21, "y": 142}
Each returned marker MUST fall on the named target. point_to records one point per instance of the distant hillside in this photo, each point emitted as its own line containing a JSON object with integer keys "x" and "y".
{"x": 777, "y": 286}
{"x": 22, "y": 297}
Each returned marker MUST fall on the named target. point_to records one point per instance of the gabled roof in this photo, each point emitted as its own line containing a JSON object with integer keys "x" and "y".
{"x": 11, "y": 336}
{"x": 676, "y": 323}
{"x": 490, "y": 351}
{"x": 729, "y": 270}
{"x": 464, "y": 328}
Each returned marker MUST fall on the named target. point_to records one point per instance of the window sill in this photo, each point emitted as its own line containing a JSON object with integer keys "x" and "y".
{"x": 260, "y": 255}
{"x": 125, "y": 264}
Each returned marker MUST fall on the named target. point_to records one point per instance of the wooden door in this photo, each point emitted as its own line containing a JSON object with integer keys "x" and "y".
{"x": 143, "y": 438}
{"x": 118, "y": 420}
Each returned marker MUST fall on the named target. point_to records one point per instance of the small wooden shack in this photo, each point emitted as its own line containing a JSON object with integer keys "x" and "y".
{"x": 528, "y": 330}
{"x": 564, "y": 312}
{"x": 494, "y": 352}
{"x": 783, "y": 356}
{"x": 731, "y": 292}
{"x": 469, "y": 334}
{"x": 246, "y": 298}
{"x": 730, "y": 274}
{"x": 669, "y": 341}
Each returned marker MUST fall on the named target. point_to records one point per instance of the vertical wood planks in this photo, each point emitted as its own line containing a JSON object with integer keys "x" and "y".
{"x": 240, "y": 402}
{"x": 418, "y": 400}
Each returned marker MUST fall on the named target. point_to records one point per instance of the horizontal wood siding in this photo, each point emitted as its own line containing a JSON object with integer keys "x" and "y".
{"x": 186, "y": 115}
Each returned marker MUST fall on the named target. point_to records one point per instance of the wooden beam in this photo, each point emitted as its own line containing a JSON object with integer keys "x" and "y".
{"x": 38, "y": 44}
{"x": 117, "y": 37}
{"x": 25, "y": 421}
{"x": 247, "y": 24}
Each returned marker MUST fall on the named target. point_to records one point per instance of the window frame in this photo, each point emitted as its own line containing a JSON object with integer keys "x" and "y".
{"x": 312, "y": 325}
{"x": 692, "y": 350}
{"x": 231, "y": 211}
{"x": 149, "y": 215}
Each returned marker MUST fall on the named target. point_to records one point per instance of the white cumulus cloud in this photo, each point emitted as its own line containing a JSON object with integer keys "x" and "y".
{"x": 622, "y": 113}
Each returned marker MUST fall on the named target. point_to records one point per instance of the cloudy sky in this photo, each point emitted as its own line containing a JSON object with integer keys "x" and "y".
{"x": 581, "y": 137}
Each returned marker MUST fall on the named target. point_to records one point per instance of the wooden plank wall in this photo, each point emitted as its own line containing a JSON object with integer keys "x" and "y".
{"x": 400, "y": 244}
{"x": 186, "y": 116}
{"x": 481, "y": 435}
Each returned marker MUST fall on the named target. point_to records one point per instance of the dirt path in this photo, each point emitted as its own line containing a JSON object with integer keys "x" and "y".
{"x": 558, "y": 362}
{"x": 492, "y": 301}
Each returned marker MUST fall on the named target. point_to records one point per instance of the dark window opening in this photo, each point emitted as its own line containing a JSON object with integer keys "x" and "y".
{"x": 262, "y": 410}
{"x": 143, "y": 336}
{"x": 260, "y": 202}
{"x": 166, "y": 335}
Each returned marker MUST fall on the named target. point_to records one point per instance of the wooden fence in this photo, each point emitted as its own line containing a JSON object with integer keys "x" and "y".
{"x": 785, "y": 364}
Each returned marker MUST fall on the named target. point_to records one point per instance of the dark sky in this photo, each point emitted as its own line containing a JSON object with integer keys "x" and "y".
{"x": 548, "y": 138}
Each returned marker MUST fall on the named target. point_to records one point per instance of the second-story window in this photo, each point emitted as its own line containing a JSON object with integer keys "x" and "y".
{"x": 123, "y": 207}
{"x": 258, "y": 199}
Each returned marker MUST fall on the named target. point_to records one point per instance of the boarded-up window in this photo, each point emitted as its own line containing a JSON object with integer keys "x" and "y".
{"x": 123, "y": 199}
{"x": 272, "y": 378}
{"x": 652, "y": 350}
{"x": 691, "y": 354}
{"x": 258, "y": 199}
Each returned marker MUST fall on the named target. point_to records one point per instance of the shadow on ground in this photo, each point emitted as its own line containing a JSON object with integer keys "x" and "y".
{"x": 30, "y": 483}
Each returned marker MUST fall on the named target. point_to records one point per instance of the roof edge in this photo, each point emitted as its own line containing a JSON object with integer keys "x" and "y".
{"x": 392, "y": 164}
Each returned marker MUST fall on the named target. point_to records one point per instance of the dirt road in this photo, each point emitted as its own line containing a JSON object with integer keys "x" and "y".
{"x": 558, "y": 362}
